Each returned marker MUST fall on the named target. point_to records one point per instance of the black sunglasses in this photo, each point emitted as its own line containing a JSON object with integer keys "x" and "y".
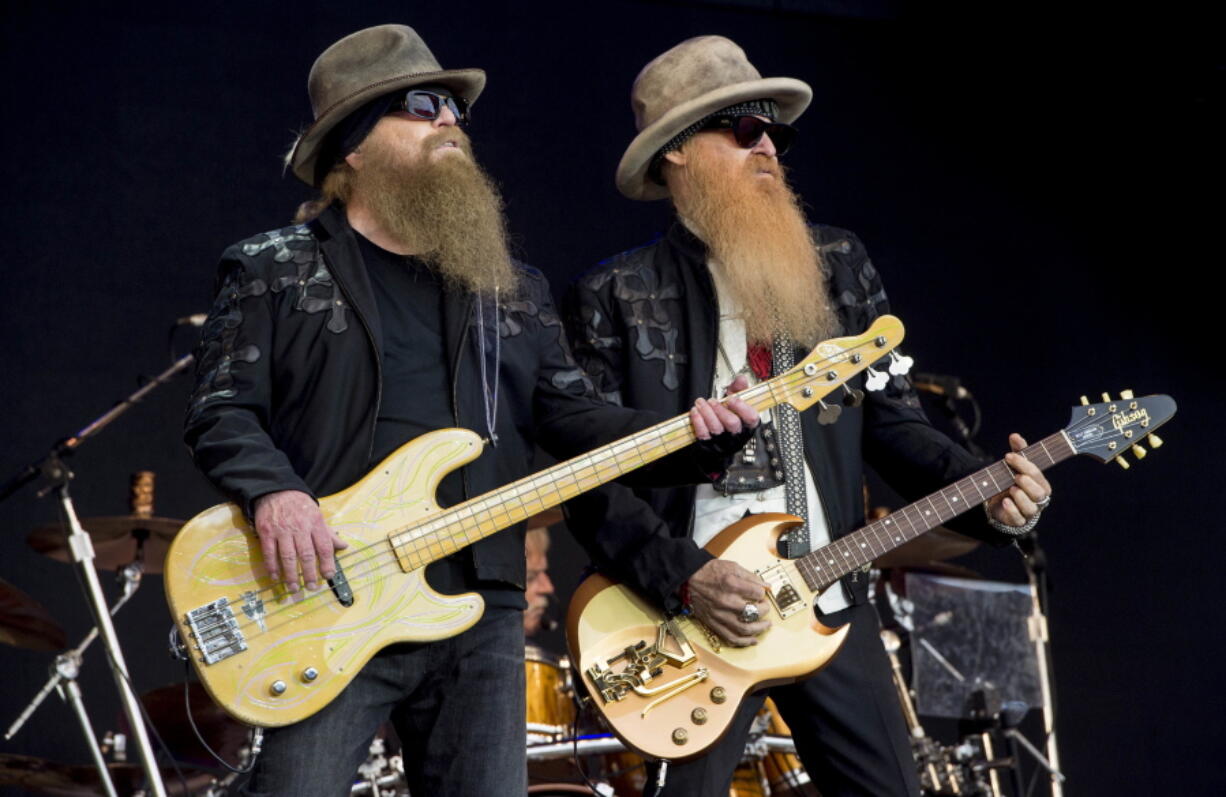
{"x": 748, "y": 131}
{"x": 426, "y": 104}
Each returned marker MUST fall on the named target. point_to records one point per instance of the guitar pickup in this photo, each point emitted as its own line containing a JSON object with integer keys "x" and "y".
{"x": 779, "y": 588}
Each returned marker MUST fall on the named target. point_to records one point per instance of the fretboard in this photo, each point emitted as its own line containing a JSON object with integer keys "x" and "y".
{"x": 828, "y": 564}
{"x": 462, "y": 525}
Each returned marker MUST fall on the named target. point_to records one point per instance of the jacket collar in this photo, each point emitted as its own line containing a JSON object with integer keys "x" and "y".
{"x": 344, "y": 258}
{"x": 690, "y": 245}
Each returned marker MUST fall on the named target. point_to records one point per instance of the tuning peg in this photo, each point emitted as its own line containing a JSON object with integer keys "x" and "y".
{"x": 1123, "y": 462}
{"x": 875, "y": 380}
{"x": 900, "y": 365}
{"x": 1106, "y": 397}
{"x": 1154, "y": 440}
{"x": 1084, "y": 401}
{"x": 1126, "y": 395}
{"x": 1139, "y": 451}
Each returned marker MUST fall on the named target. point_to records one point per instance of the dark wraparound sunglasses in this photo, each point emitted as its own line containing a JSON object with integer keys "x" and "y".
{"x": 748, "y": 131}
{"x": 425, "y": 104}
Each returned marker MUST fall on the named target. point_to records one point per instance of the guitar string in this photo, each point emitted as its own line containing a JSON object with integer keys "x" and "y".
{"x": 374, "y": 572}
{"x": 877, "y": 528}
{"x": 394, "y": 563}
{"x": 598, "y": 465}
{"x": 846, "y": 546}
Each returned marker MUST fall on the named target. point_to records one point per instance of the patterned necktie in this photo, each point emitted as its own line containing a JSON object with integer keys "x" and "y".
{"x": 791, "y": 449}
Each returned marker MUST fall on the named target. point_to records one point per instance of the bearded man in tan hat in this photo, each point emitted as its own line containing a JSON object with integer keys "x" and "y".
{"x": 742, "y": 284}
{"x": 393, "y": 309}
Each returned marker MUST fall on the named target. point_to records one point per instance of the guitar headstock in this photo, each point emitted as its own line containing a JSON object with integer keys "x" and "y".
{"x": 833, "y": 362}
{"x": 1109, "y": 428}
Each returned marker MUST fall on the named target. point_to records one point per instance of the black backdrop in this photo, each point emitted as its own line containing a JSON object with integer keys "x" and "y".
{"x": 1029, "y": 181}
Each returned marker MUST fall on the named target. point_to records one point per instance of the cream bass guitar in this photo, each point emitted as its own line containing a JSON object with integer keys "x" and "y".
{"x": 667, "y": 685}
{"x": 272, "y": 658}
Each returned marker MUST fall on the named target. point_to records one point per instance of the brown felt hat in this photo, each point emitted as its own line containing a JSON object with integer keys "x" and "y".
{"x": 361, "y": 67}
{"x": 691, "y": 81}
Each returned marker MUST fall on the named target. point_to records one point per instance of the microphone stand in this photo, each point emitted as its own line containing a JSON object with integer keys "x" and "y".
{"x": 1036, "y": 572}
{"x": 57, "y": 476}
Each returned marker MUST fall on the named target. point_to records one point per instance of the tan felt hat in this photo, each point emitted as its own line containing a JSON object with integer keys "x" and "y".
{"x": 363, "y": 66}
{"x": 687, "y": 83}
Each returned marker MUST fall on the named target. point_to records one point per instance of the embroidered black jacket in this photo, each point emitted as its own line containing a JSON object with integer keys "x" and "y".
{"x": 288, "y": 383}
{"x": 645, "y": 325}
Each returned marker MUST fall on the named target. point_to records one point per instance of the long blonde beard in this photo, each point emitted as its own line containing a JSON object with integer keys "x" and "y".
{"x": 446, "y": 208}
{"x": 754, "y": 228}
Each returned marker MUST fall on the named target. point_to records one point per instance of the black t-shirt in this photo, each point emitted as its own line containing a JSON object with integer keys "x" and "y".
{"x": 416, "y": 393}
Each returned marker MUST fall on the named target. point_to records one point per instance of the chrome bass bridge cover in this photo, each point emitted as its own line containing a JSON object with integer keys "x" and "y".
{"x": 215, "y": 631}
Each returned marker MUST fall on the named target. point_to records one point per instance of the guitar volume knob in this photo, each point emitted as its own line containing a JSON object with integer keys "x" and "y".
{"x": 699, "y": 716}
{"x": 719, "y": 694}
{"x": 278, "y": 687}
{"x": 680, "y": 736}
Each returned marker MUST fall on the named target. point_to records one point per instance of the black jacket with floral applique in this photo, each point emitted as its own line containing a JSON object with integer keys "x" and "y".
{"x": 644, "y": 326}
{"x": 288, "y": 383}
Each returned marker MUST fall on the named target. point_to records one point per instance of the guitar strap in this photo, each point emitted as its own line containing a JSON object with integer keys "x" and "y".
{"x": 791, "y": 449}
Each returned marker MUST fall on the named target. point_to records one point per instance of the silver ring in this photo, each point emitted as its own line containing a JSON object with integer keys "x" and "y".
{"x": 749, "y": 614}
{"x": 1043, "y": 503}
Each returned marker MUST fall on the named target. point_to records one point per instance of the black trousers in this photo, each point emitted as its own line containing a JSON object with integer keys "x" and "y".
{"x": 846, "y": 721}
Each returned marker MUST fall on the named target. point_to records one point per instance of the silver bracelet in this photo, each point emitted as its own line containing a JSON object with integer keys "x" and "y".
{"x": 1012, "y": 531}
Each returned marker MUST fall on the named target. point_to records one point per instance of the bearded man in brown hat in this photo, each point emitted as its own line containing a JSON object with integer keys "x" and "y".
{"x": 742, "y": 284}
{"x": 390, "y": 310}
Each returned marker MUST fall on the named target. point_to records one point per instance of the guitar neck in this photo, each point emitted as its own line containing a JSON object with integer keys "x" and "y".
{"x": 828, "y": 564}
{"x": 466, "y": 523}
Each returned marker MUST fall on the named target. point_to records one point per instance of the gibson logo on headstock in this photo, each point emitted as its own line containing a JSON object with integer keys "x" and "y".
{"x": 1121, "y": 419}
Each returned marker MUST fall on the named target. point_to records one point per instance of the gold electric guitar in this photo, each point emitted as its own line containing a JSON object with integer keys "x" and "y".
{"x": 667, "y": 685}
{"x": 272, "y": 658}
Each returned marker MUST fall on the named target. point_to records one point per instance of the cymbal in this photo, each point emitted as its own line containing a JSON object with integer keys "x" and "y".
{"x": 935, "y": 545}
{"x": 39, "y": 775}
{"x": 49, "y": 777}
{"x": 24, "y": 623}
{"x": 115, "y": 540}
{"x": 225, "y": 735}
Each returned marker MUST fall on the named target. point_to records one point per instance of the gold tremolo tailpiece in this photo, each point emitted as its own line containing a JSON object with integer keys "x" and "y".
{"x": 644, "y": 663}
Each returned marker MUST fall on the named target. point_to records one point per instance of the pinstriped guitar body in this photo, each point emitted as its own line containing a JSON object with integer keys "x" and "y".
{"x": 215, "y": 553}
{"x": 270, "y": 658}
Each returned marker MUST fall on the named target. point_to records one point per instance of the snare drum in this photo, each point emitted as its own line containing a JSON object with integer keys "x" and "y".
{"x": 548, "y": 695}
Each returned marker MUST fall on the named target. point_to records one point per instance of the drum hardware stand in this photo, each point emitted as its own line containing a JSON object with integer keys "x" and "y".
{"x": 1035, "y": 560}
{"x": 57, "y": 476}
{"x": 64, "y": 678}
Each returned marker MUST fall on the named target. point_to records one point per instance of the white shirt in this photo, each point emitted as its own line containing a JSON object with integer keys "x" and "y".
{"x": 714, "y": 511}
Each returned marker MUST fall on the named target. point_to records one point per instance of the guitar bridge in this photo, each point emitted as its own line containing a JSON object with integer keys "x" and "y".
{"x": 644, "y": 664}
{"x": 216, "y": 631}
